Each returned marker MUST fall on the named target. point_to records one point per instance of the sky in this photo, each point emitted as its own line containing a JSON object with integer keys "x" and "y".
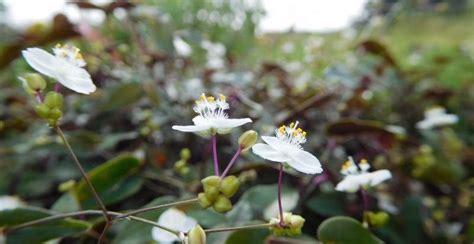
{"x": 281, "y": 15}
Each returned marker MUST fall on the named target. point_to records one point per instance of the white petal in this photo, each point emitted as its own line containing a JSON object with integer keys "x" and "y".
{"x": 223, "y": 125}
{"x": 379, "y": 176}
{"x": 267, "y": 152}
{"x": 348, "y": 184}
{"x": 175, "y": 220}
{"x": 305, "y": 162}
{"x": 9, "y": 202}
{"x": 41, "y": 61}
{"x": 76, "y": 79}
{"x": 278, "y": 144}
{"x": 162, "y": 236}
{"x": 199, "y": 120}
{"x": 191, "y": 128}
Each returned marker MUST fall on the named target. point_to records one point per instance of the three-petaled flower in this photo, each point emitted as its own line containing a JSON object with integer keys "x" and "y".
{"x": 65, "y": 66}
{"x": 212, "y": 117}
{"x": 357, "y": 177}
{"x": 285, "y": 147}
{"x": 173, "y": 219}
{"x": 435, "y": 117}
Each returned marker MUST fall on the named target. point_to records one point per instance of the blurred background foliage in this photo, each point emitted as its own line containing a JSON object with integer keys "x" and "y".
{"x": 358, "y": 91}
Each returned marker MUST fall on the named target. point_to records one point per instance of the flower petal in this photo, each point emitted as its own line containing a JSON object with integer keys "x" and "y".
{"x": 173, "y": 219}
{"x": 76, "y": 79}
{"x": 348, "y": 184}
{"x": 191, "y": 128}
{"x": 278, "y": 144}
{"x": 267, "y": 152}
{"x": 223, "y": 125}
{"x": 379, "y": 176}
{"x": 41, "y": 61}
{"x": 304, "y": 162}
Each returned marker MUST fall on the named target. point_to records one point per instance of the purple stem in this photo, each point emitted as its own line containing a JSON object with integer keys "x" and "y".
{"x": 232, "y": 162}
{"x": 57, "y": 87}
{"x": 214, "y": 153}
{"x": 365, "y": 200}
{"x": 39, "y": 97}
{"x": 280, "y": 208}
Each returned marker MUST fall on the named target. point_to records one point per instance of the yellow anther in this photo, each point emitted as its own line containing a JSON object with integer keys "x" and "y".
{"x": 79, "y": 56}
{"x": 202, "y": 97}
{"x": 304, "y": 133}
{"x": 210, "y": 99}
{"x": 58, "y": 45}
{"x": 222, "y": 98}
{"x": 363, "y": 161}
{"x": 282, "y": 130}
{"x": 346, "y": 165}
{"x": 292, "y": 125}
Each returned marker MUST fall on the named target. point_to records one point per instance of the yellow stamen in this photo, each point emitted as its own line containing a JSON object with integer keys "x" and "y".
{"x": 222, "y": 97}
{"x": 210, "y": 99}
{"x": 363, "y": 161}
{"x": 292, "y": 124}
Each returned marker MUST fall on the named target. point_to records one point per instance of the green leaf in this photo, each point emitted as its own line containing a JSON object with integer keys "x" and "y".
{"x": 342, "y": 230}
{"x": 327, "y": 204}
{"x": 108, "y": 175}
{"x": 42, "y": 232}
{"x": 117, "y": 192}
{"x": 248, "y": 236}
{"x": 122, "y": 96}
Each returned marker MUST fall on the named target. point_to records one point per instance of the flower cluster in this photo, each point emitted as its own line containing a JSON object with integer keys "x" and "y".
{"x": 217, "y": 192}
{"x": 357, "y": 176}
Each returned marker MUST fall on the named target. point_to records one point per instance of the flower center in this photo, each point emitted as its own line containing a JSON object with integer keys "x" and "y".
{"x": 350, "y": 167}
{"x": 211, "y": 108}
{"x": 291, "y": 134}
{"x": 69, "y": 54}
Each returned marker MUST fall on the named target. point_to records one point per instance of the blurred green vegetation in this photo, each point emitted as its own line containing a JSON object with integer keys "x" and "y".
{"x": 358, "y": 92}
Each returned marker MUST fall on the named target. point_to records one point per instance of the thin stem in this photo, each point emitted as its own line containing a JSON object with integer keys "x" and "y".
{"x": 142, "y": 210}
{"x": 365, "y": 200}
{"x": 39, "y": 96}
{"x": 280, "y": 207}
{"x": 82, "y": 213}
{"x": 89, "y": 183}
{"x": 238, "y": 228}
{"x": 214, "y": 153}
{"x": 232, "y": 162}
{"x": 57, "y": 87}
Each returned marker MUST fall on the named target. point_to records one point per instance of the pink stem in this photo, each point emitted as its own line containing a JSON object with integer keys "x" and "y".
{"x": 232, "y": 162}
{"x": 39, "y": 97}
{"x": 280, "y": 208}
{"x": 214, "y": 152}
{"x": 57, "y": 87}
{"x": 365, "y": 200}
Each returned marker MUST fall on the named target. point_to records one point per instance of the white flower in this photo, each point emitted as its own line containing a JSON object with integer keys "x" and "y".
{"x": 9, "y": 202}
{"x": 357, "y": 176}
{"x": 175, "y": 220}
{"x": 182, "y": 48}
{"x": 435, "y": 117}
{"x": 65, "y": 66}
{"x": 212, "y": 117}
{"x": 286, "y": 148}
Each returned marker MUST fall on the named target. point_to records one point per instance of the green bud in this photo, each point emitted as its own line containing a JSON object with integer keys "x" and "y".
{"x": 55, "y": 114}
{"x": 185, "y": 154}
{"x": 66, "y": 186}
{"x": 197, "y": 235}
{"x": 35, "y": 82}
{"x": 230, "y": 185}
{"x": 377, "y": 219}
{"x": 292, "y": 225}
{"x": 296, "y": 222}
{"x": 53, "y": 123}
{"x": 42, "y": 110}
{"x": 248, "y": 139}
{"x": 211, "y": 182}
{"x": 204, "y": 201}
{"x": 212, "y": 192}
{"x": 222, "y": 204}
{"x": 184, "y": 171}
{"x": 180, "y": 164}
{"x": 53, "y": 100}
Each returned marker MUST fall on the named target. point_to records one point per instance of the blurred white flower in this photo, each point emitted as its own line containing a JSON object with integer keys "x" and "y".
{"x": 435, "y": 117}
{"x": 182, "y": 48}
{"x": 212, "y": 117}
{"x": 215, "y": 54}
{"x": 9, "y": 202}
{"x": 286, "y": 148}
{"x": 173, "y": 219}
{"x": 358, "y": 176}
{"x": 65, "y": 66}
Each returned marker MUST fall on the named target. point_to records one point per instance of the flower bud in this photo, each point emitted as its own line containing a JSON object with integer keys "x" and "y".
{"x": 185, "y": 154}
{"x": 53, "y": 100}
{"x": 291, "y": 226}
{"x": 42, "y": 110}
{"x": 222, "y": 204}
{"x": 230, "y": 185}
{"x": 248, "y": 139}
{"x": 210, "y": 183}
{"x": 196, "y": 235}
{"x": 35, "y": 82}
{"x": 377, "y": 219}
{"x": 204, "y": 201}
{"x": 55, "y": 114}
